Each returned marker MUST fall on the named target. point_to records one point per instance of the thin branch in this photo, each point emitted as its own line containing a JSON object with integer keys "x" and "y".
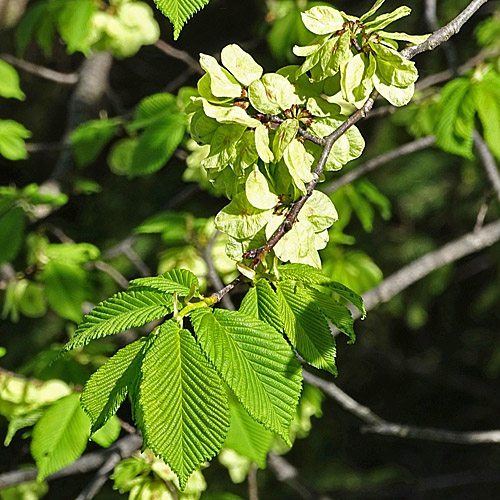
{"x": 212, "y": 273}
{"x": 402, "y": 279}
{"x": 179, "y": 54}
{"x": 445, "y": 33}
{"x": 91, "y": 461}
{"x": 41, "y": 71}
{"x": 253, "y": 487}
{"x": 378, "y": 161}
{"x": 378, "y": 425}
{"x": 488, "y": 161}
{"x": 276, "y": 120}
{"x": 110, "y": 271}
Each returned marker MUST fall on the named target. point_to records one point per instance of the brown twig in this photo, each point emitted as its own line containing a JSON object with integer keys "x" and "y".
{"x": 179, "y": 54}
{"x": 488, "y": 161}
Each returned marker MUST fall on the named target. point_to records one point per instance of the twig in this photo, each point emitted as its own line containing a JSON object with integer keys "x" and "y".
{"x": 488, "y": 161}
{"x": 267, "y": 118}
{"x": 212, "y": 273}
{"x": 179, "y": 54}
{"x": 110, "y": 271}
{"x": 402, "y": 279}
{"x": 253, "y": 487}
{"x": 445, "y": 33}
{"x": 481, "y": 215}
{"x": 41, "y": 71}
{"x": 378, "y": 425}
{"x": 91, "y": 461}
{"x": 135, "y": 259}
{"x": 378, "y": 161}
{"x": 286, "y": 473}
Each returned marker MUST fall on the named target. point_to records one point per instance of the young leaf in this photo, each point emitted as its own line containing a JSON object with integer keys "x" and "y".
{"x": 272, "y": 94}
{"x": 284, "y": 136}
{"x": 241, "y": 64}
{"x": 74, "y": 22}
{"x": 261, "y": 302}
{"x": 120, "y": 312}
{"x": 255, "y": 362}
{"x": 222, "y": 83}
{"x": 107, "y": 388}
{"x": 179, "y": 11}
{"x": 385, "y": 19}
{"x": 375, "y": 7}
{"x": 181, "y": 281}
{"x": 262, "y": 144}
{"x": 306, "y": 327}
{"x": 12, "y": 225}
{"x": 107, "y": 434}
{"x": 322, "y": 20}
{"x": 397, "y": 96}
{"x": 12, "y": 136}
{"x": 258, "y": 192}
{"x": 60, "y": 436}
{"x": 246, "y": 436}
{"x": 414, "y": 39}
{"x": 9, "y": 82}
{"x": 183, "y": 403}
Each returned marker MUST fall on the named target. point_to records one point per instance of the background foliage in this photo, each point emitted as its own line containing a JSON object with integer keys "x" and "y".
{"x": 429, "y": 357}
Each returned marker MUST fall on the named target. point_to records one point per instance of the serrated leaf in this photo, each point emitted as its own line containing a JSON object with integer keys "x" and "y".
{"x": 179, "y": 11}
{"x": 89, "y": 139}
{"x": 120, "y": 312}
{"x": 107, "y": 388}
{"x": 107, "y": 434}
{"x": 335, "y": 312}
{"x": 306, "y": 327}
{"x": 488, "y": 109}
{"x": 246, "y": 436}
{"x": 255, "y": 362}
{"x": 241, "y": 64}
{"x": 184, "y": 406}
{"x": 181, "y": 281}
{"x": 240, "y": 219}
{"x": 272, "y": 94}
{"x": 12, "y": 136}
{"x": 60, "y": 436}
{"x": 152, "y": 109}
{"x": 9, "y": 82}
{"x": 322, "y": 20}
{"x": 258, "y": 192}
{"x": 261, "y": 302}
{"x": 385, "y": 19}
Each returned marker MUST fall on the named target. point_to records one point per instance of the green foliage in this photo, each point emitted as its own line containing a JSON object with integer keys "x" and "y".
{"x": 12, "y": 136}
{"x": 183, "y": 404}
{"x": 9, "y": 82}
{"x": 179, "y": 11}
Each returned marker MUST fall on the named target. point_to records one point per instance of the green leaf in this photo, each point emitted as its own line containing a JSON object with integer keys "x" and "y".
{"x": 90, "y": 138}
{"x": 222, "y": 83}
{"x": 157, "y": 144}
{"x": 107, "y": 434}
{"x": 262, "y": 144}
{"x": 306, "y": 327}
{"x": 414, "y": 39}
{"x": 334, "y": 311}
{"x": 385, "y": 19}
{"x": 107, "y": 388}
{"x": 285, "y": 134}
{"x": 229, "y": 114}
{"x": 375, "y": 7}
{"x": 261, "y": 302}
{"x": 184, "y": 406}
{"x": 246, "y": 436}
{"x": 19, "y": 422}
{"x": 322, "y": 20}
{"x": 272, "y": 94}
{"x": 12, "y": 135}
{"x": 240, "y": 219}
{"x": 74, "y": 23}
{"x": 181, "y": 281}
{"x": 179, "y": 11}
{"x": 152, "y": 109}
{"x": 395, "y": 95}
{"x": 65, "y": 288}
{"x": 120, "y": 156}
{"x": 299, "y": 163}
{"x": 320, "y": 211}
{"x": 9, "y": 82}
{"x": 12, "y": 225}
{"x": 258, "y": 192}
{"x": 488, "y": 109}
{"x": 241, "y": 64}
{"x": 357, "y": 79}
{"x": 255, "y": 362}
{"x": 392, "y": 67}
{"x": 122, "y": 311}
{"x": 60, "y": 436}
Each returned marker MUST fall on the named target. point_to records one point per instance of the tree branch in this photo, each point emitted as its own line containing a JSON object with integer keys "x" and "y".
{"x": 378, "y": 161}
{"x": 488, "y": 161}
{"x": 91, "y": 461}
{"x": 179, "y": 54}
{"x": 41, "y": 71}
{"x": 378, "y": 425}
